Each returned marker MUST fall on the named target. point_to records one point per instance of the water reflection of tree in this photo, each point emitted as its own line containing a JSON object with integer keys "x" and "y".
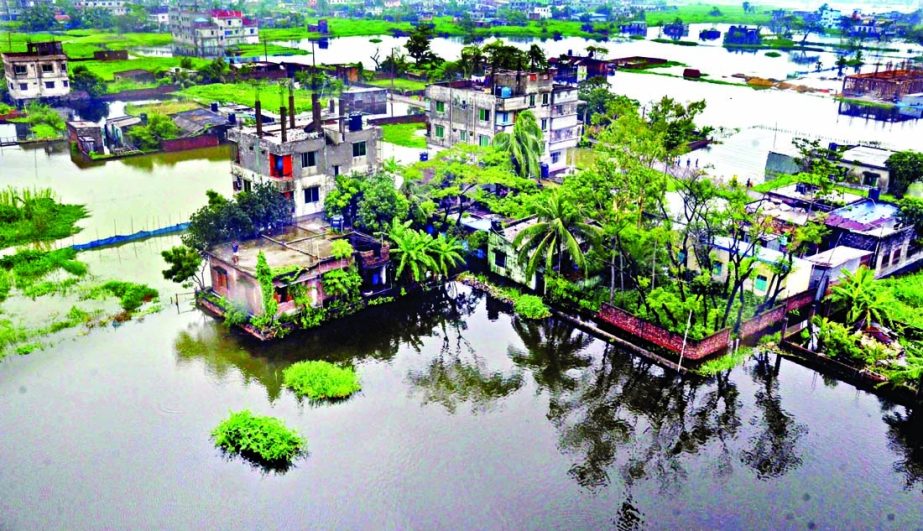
{"x": 774, "y": 449}
{"x": 457, "y": 375}
{"x": 377, "y": 333}
{"x": 905, "y": 438}
{"x": 554, "y": 349}
{"x": 626, "y": 407}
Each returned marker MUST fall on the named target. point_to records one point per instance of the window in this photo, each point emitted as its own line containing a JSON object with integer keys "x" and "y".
{"x": 716, "y": 269}
{"x": 484, "y": 141}
{"x": 65, "y": 83}
{"x": 309, "y": 159}
{"x": 440, "y": 131}
{"x": 555, "y": 157}
{"x": 503, "y": 118}
{"x": 483, "y": 115}
{"x": 248, "y": 186}
{"x": 49, "y": 84}
{"x": 545, "y": 98}
{"x": 312, "y": 194}
{"x": 761, "y": 283}
{"x": 531, "y": 100}
{"x": 463, "y": 136}
{"x": 440, "y": 106}
{"x": 19, "y": 70}
{"x": 23, "y": 86}
{"x": 359, "y": 149}
{"x": 47, "y": 68}
{"x": 336, "y": 170}
{"x": 544, "y": 124}
{"x": 500, "y": 259}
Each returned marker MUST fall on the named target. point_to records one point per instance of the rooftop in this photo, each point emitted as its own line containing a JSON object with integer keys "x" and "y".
{"x": 867, "y": 156}
{"x": 768, "y": 256}
{"x": 837, "y": 256}
{"x": 866, "y": 217}
{"x": 808, "y": 193}
{"x": 305, "y": 246}
{"x": 513, "y": 229}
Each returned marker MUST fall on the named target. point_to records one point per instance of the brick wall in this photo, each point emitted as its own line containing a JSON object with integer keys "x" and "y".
{"x": 192, "y": 142}
{"x": 406, "y": 119}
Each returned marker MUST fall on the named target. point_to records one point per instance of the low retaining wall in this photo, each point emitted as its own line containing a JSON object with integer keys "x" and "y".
{"x": 192, "y": 142}
{"x": 697, "y": 350}
{"x": 406, "y": 119}
{"x": 141, "y": 94}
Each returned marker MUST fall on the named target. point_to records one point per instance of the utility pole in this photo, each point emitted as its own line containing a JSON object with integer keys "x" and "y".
{"x": 392, "y": 82}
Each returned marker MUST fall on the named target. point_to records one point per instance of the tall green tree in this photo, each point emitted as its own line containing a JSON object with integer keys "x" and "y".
{"x": 524, "y": 145}
{"x": 863, "y": 300}
{"x": 418, "y": 43}
{"x": 905, "y": 168}
{"x": 411, "y": 251}
{"x": 559, "y": 228}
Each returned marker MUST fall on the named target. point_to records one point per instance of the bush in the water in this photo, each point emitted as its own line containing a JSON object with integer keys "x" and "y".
{"x": 320, "y": 379}
{"x": 531, "y": 307}
{"x": 261, "y": 439}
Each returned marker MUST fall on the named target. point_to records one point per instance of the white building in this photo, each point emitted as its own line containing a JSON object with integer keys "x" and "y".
{"x": 830, "y": 18}
{"x": 541, "y": 12}
{"x": 211, "y": 33}
{"x": 114, "y": 7}
{"x": 473, "y": 113}
{"x": 40, "y": 72}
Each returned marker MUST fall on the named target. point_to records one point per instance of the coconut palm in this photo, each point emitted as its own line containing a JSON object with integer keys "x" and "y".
{"x": 412, "y": 250}
{"x": 559, "y": 225}
{"x": 525, "y": 145}
{"x": 445, "y": 253}
{"x": 859, "y": 293}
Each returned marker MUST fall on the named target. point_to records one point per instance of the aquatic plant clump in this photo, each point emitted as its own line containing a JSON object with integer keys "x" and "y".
{"x": 320, "y": 380}
{"x": 264, "y": 440}
{"x": 531, "y": 307}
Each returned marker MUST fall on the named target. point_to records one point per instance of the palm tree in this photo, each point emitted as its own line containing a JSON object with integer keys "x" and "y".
{"x": 445, "y": 254}
{"x": 525, "y": 145}
{"x": 412, "y": 249}
{"x": 859, "y": 293}
{"x": 559, "y": 224}
{"x": 537, "y": 60}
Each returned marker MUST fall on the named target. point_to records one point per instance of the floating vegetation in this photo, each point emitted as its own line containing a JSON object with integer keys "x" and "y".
{"x": 319, "y": 380}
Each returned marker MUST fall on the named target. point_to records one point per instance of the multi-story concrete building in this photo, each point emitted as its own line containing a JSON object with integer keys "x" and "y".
{"x": 473, "y": 112}
{"x": 40, "y": 72}
{"x": 210, "y": 33}
{"x": 303, "y": 159}
{"x": 114, "y": 7}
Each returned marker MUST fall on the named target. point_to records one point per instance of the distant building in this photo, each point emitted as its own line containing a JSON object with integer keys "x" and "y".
{"x": 635, "y": 28}
{"x": 114, "y": 7}
{"x": 831, "y": 264}
{"x": 38, "y": 73}
{"x": 877, "y": 227}
{"x": 210, "y": 33}
{"x": 502, "y": 257}
{"x": 742, "y": 36}
{"x": 303, "y": 161}
{"x": 571, "y": 68}
{"x": 891, "y": 84}
{"x": 160, "y": 16}
{"x": 829, "y": 18}
{"x": 868, "y": 165}
{"x": 473, "y": 112}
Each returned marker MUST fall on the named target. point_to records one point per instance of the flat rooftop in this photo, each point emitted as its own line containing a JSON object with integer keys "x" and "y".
{"x": 807, "y": 194}
{"x": 837, "y": 256}
{"x": 866, "y": 217}
{"x": 305, "y": 245}
{"x": 867, "y": 156}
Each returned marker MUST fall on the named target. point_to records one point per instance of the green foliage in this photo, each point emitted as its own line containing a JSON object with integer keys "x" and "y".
{"x": 724, "y": 363}
{"x": 341, "y": 249}
{"x": 45, "y": 122}
{"x": 319, "y": 380}
{"x": 185, "y": 265}
{"x": 83, "y": 79}
{"x": 379, "y": 204}
{"x": 241, "y": 218}
{"x": 131, "y": 295}
{"x": 905, "y": 168}
{"x": 343, "y": 284}
{"x": 264, "y": 277}
{"x": 865, "y": 302}
{"x": 531, "y": 307}
{"x": 265, "y": 440}
{"x": 838, "y": 341}
{"x": 28, "y": 265}
{"x": 151, "y": 135}
{"x": 28, "y": 348}
{"x": 525, "y": 145}
{"x": 241, "y": 93}
{"x": 28, "y": 216}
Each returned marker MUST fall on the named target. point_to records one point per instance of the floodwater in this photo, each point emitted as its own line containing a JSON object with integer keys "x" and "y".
{"x": 124, "y": 195}
{"x": 468, "y": 418}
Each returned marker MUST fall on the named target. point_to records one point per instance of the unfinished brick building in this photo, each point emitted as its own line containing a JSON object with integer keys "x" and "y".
{"x": 891, "y": 84}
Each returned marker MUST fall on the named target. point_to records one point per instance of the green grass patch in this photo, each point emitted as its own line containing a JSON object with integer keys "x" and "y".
{"x": 866, "y": 103}
{"x": 244, "y": 94}
{"x": 28, "y": 216}
{"x": 161, "y": 107}
{"x": 28, "y": 265}
{"x": 28, "y": 348}
{"x": 705, "y": 14}
{"x": 773, "y": 54}
{"x": 263, "y": 440}
{"x": 131, "y": 295}
{"x": 399, "y": 84}
{"x": 82, "y": 43}
{"x": 107, "y": 69}
{"x": 725, "y": 362}
{"x": 320, "y": 380}
{"x": 404, "y": 135}
{"x": 531, "y": 307}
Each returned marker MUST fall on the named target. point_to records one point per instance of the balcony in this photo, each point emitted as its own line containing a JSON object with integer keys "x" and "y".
{"x": 516, "y": 103}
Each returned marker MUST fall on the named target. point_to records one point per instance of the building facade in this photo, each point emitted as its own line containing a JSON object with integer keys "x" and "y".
{"x": 301, "y": 161}
{"x": 40, "y": 72}
{"x": 210, "y": 33}
{"x": 114, "y": 7}
{"x": 473, "y": 113}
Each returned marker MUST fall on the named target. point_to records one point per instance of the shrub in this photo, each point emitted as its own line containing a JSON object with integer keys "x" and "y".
{"x": 531, "y": 307}
{"x": 341, "y": 249}
{"x": 131, "y": 296}
{"x": 264, "y": 440}
{"x": 319, "y": 380}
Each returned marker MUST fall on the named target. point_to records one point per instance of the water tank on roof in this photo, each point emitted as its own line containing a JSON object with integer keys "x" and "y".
{"x": 214, "y": 106}
{"x": 545, "y": 172}
{"x": 336, "y": 222}
{"x": 355, "y": 122}
{"x": 424, "y": 156}
{"x": 506, "y": 92}
{"x": 874, "y": 194}
{"x": 232, "y": 119}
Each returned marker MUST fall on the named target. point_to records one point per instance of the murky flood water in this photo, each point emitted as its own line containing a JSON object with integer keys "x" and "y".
{"x": 124, "y": 195}
{"x": 467, "y": 418}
